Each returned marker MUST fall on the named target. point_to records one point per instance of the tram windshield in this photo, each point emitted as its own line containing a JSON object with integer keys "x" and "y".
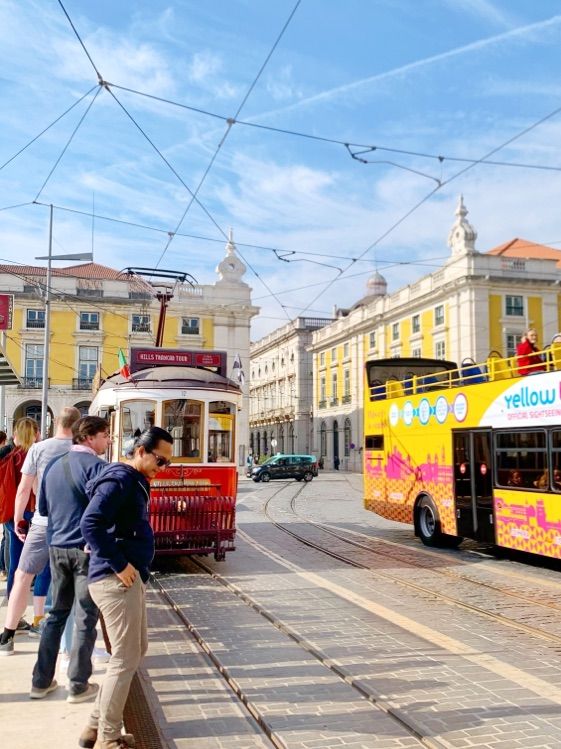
{"x": 136, "y": 416}
{"x": 184, "y": 421}
{"x": 221, "y": 432}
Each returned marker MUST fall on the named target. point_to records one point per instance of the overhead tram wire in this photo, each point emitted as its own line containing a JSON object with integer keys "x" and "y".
{"x": 54, "y": 122}
{"x": 74, "y": 29}
{"x": 230, "y": 122}
{"x": 203, "y": 238}
{"x": 429, "y": 195}
{"x": 397, "y": 223}
{"x": 335, "y": 141}
{"x": 68, "y": 142}
{"x": 249, "y": 245}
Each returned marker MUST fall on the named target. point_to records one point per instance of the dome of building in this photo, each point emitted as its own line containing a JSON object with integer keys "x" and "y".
{"x": 377, "y": 285}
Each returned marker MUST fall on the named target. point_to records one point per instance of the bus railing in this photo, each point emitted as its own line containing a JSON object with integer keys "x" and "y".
{"x": 470, "y": 372}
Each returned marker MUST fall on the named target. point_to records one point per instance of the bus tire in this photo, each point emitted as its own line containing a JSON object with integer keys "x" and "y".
{"x": 427, "y": 522}
{"x": 265, "y": 477}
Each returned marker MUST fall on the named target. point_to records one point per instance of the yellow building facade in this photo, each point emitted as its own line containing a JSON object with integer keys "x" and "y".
{"x": 474, "y": 304}
{"x": 94, "y": 312}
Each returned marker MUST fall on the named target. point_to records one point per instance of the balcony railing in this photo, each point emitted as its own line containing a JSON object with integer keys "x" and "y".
{"x": 346, "y": 399}
{"x": 32, "y": 382}
{"x": 89, "y": 325}
{"x": 141, "y": 328}
{"x": 334, "y": 402}
{"x": 35, "y": 324}
{"x": 322, "y": 404}
{"x": 82, "y": 383}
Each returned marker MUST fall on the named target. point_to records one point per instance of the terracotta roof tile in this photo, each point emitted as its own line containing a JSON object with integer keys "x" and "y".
{"x": 523, "y": 248}
{"x": 89, "y": 271}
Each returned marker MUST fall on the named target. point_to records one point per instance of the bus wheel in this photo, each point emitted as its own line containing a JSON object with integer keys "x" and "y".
{"x": 428, "y": 523}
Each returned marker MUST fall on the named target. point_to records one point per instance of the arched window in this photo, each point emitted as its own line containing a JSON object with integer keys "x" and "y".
{"x": 347, "y": 432}
{"x": 335, "y": 442}
{"x": 251, "y": 441}
{"x": 323, "y": 439}
{"x": 258, "y": 444}
{"x": 291, "y": 438}
{"x": 265, "y": 448}
{"x": 281, "y": 438}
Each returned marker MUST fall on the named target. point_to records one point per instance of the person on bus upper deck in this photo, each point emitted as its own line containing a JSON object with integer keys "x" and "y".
{"x": 557, "y": 478}
{"x": 527, "y": 359}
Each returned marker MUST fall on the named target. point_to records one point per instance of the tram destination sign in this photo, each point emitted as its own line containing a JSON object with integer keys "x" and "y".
{"x": 142, "y": 358}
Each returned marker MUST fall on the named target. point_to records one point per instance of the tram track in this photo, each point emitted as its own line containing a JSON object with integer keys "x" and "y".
{"x": 409, "y": 584}
{"x": 364, "y": 692}
{"x": 364, "y": 689}
{"x": 342, "y": 534}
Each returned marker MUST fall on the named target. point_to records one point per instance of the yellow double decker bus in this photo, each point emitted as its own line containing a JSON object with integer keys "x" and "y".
{"x": 471, "y": 451}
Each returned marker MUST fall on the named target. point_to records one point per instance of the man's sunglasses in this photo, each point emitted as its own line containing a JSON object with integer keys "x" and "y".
{"x": 161, "y": 462}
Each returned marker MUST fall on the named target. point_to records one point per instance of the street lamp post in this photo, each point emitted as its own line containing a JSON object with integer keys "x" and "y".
{"x": 46, "y": 345}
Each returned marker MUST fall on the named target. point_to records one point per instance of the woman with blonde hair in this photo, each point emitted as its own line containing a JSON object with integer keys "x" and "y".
{"x": 26, "y": 432}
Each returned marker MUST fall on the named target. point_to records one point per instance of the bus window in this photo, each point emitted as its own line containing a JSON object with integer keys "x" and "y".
{"x": 136, "y": 416}
{"x": 556, "y": 460}
{"x": 374, "y": 442}
{"x": 183, "y": 420}
{"x": 221, "y": 432}
{"x": 521, "y": 459}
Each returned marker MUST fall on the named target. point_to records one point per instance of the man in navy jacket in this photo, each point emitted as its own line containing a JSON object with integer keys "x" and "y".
{"x": 121, "y": 541}
{"x": 63, "y": 500}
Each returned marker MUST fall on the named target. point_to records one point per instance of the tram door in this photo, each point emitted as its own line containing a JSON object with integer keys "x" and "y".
{"x": 473, "y": 483}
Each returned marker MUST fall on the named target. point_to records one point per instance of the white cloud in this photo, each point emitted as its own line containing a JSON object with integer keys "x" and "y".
{"x": 204, "y": 65}
{"x": 282, "y": 86}
{"x": 484, "y": 9}
{"x": 356, "y": 87}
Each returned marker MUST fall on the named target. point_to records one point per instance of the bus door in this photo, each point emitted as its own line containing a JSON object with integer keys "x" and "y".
{"x": 473, "y": 483}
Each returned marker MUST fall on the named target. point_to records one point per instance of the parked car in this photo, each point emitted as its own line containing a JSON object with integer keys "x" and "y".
{"x": 286, "y": 467}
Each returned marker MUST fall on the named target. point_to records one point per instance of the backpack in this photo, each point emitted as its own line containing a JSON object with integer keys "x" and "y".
{"x": 10, "y": 473}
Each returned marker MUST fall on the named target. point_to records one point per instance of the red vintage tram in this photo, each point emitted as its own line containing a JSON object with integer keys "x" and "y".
{"x": 193, "y": 501}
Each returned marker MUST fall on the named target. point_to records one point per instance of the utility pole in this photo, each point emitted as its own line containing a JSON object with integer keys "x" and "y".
{"x": 47, "y": 339}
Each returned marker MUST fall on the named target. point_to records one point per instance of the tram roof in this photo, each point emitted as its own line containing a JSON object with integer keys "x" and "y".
{"x": 174, "y": 377}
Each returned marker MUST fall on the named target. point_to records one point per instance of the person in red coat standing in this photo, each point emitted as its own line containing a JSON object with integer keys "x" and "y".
{"x": 527, "y": 359}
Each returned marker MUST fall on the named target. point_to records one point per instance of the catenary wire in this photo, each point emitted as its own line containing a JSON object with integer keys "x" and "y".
{"x": 203, "y": 238}
{"x": 429, "y": 195}
{"x": 335, "y": 141}
{"x": 54, "y": 122}
{"x": 230, "y": 122}
{"x": 68, "y": 142}
{"x": 99, "y": 76}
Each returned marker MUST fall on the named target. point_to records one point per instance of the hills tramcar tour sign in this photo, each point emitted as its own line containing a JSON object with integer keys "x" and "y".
{"x": 141, "y": 358}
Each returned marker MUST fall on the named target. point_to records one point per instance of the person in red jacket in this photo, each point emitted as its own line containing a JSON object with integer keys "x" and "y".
{"x": 527, "y": 359}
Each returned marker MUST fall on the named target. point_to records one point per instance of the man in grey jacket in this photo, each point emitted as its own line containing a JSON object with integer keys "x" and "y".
{"x": 62, "y": 500}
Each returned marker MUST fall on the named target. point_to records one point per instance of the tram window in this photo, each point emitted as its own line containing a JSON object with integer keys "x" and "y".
{"x": 184, "y": 421}
{"x": 136, "y": 416}
{"x": 521, "y": 459}
{"x": 374, "y": 442}
{"x": 221, "y": 432}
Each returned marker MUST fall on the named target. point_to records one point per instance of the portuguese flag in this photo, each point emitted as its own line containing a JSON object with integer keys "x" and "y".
{"x": 124, "y": 370}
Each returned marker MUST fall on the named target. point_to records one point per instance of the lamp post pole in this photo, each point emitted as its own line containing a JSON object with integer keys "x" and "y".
{"x": 46, "y": 341}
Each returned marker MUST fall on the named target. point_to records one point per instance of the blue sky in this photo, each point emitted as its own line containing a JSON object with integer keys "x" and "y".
{"x": 442, "y": 77}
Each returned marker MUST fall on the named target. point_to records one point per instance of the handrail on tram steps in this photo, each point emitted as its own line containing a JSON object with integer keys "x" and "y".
{"x": 470, "y": 372}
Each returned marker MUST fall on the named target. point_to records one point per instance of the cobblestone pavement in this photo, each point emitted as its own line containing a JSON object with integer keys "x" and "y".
{"x": 462, "y": 680}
